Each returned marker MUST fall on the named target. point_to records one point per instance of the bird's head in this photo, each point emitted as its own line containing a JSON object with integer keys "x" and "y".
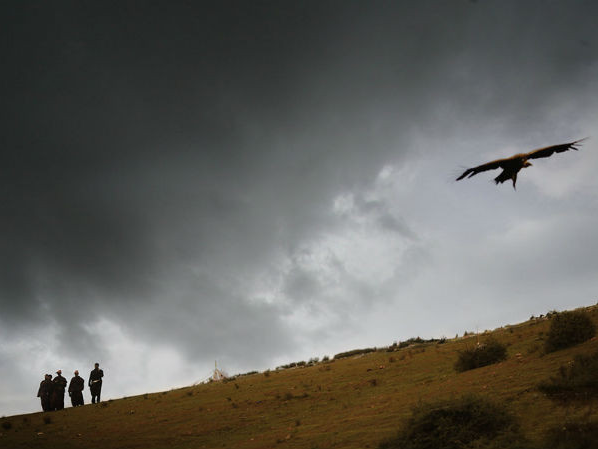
{"x": 527, "y": 164}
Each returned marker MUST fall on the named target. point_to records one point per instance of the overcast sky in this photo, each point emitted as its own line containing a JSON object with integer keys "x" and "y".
{"x": 263, "y": 182}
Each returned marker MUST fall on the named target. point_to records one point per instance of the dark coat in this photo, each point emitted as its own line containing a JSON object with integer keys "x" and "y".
{"x": 46, "y": 388}
{"x": 76, "y": 390}
{"x": 59, "y": 383}
{"x": 95, "y": 381}
{"x": 58, "y": 394}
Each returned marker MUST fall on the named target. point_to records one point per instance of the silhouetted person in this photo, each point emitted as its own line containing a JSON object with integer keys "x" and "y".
{"x": 46, "y": 388}
{"x": 76, "y": 390}
{"x": 95, "y": 383}
{"x": 58, "y": 393}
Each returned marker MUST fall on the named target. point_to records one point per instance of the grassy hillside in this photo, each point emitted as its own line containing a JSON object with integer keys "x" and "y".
{"x": 353, "y": 402}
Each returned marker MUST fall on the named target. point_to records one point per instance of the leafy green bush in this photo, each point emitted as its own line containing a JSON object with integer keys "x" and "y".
{"x": 578, "y": 380}
{"x": 568, "y": 329}
{"x": 572, "y": 435}
{"x": 469, "y": 422}
{"x": 492, "y": 351}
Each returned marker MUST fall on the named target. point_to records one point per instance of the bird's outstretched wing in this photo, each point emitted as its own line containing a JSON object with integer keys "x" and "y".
{"x": 480, "y": 168}
{"x": 549, "y": 151}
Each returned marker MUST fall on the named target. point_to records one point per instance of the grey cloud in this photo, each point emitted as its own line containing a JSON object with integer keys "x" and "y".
{"x": 384, "y": 216}
{"x": 208, "y": 319}
{"x": 300, "y": 285}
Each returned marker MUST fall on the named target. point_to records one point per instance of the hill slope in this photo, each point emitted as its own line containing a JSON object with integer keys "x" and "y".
{"x": 352, "y": 402}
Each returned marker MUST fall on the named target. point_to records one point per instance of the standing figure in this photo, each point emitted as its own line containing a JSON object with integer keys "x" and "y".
{"x": 58, "y": 393}
{"x": 76, "y": 390}
{"x": 46, "y": 387}
{"x": 95, "y": 383}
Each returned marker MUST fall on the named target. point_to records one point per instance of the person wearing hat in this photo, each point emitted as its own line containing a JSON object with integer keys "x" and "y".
{"x": 76, "y": 390}
{"x": 95, "y": 383}
{"x": 46, "y": 387}
{"x": 58, "y": 394}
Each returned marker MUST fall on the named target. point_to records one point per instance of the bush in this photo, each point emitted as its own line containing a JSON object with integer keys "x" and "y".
{"x": 572, "y": 435}
{"x": 578, "y": 380}
{"x": 6, "y": 425}
{"x": 487, "y": 353}
{"x": 287, "y": 366}
{"x": 419, "y": 340}
{"x": 568, "y": 329}
{"x": 343, "y": 355}
{"x": 465, "y": 423}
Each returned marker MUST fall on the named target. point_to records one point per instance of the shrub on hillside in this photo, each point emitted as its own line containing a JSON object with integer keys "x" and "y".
{"x": 469, "y": 422}
{"x": 572, "y": 435}
{"x": 418, "y": 341}
{"x": 577, "y": 380}
{"x": 492, "y": 351}
{"x": 343, "y": 355}
{"x": 568, "y": 329}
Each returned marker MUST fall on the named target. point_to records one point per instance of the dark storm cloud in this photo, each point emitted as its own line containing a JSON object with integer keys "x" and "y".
{"x": 129, "y": 125}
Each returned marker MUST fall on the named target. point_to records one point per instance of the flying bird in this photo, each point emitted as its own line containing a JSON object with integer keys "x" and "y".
{"x": 511, "y": 165}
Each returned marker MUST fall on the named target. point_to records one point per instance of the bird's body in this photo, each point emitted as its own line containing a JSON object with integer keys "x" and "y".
{"x": 512, "y": 165}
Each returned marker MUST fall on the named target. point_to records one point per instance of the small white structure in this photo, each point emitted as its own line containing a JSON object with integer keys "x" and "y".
{"x": 218, "y": 375}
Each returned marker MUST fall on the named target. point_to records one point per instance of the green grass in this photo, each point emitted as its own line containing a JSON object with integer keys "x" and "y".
{"x": 353, "y": 402}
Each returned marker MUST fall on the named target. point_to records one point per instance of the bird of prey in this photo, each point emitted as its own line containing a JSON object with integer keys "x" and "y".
{"x": 511, "y": 165}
